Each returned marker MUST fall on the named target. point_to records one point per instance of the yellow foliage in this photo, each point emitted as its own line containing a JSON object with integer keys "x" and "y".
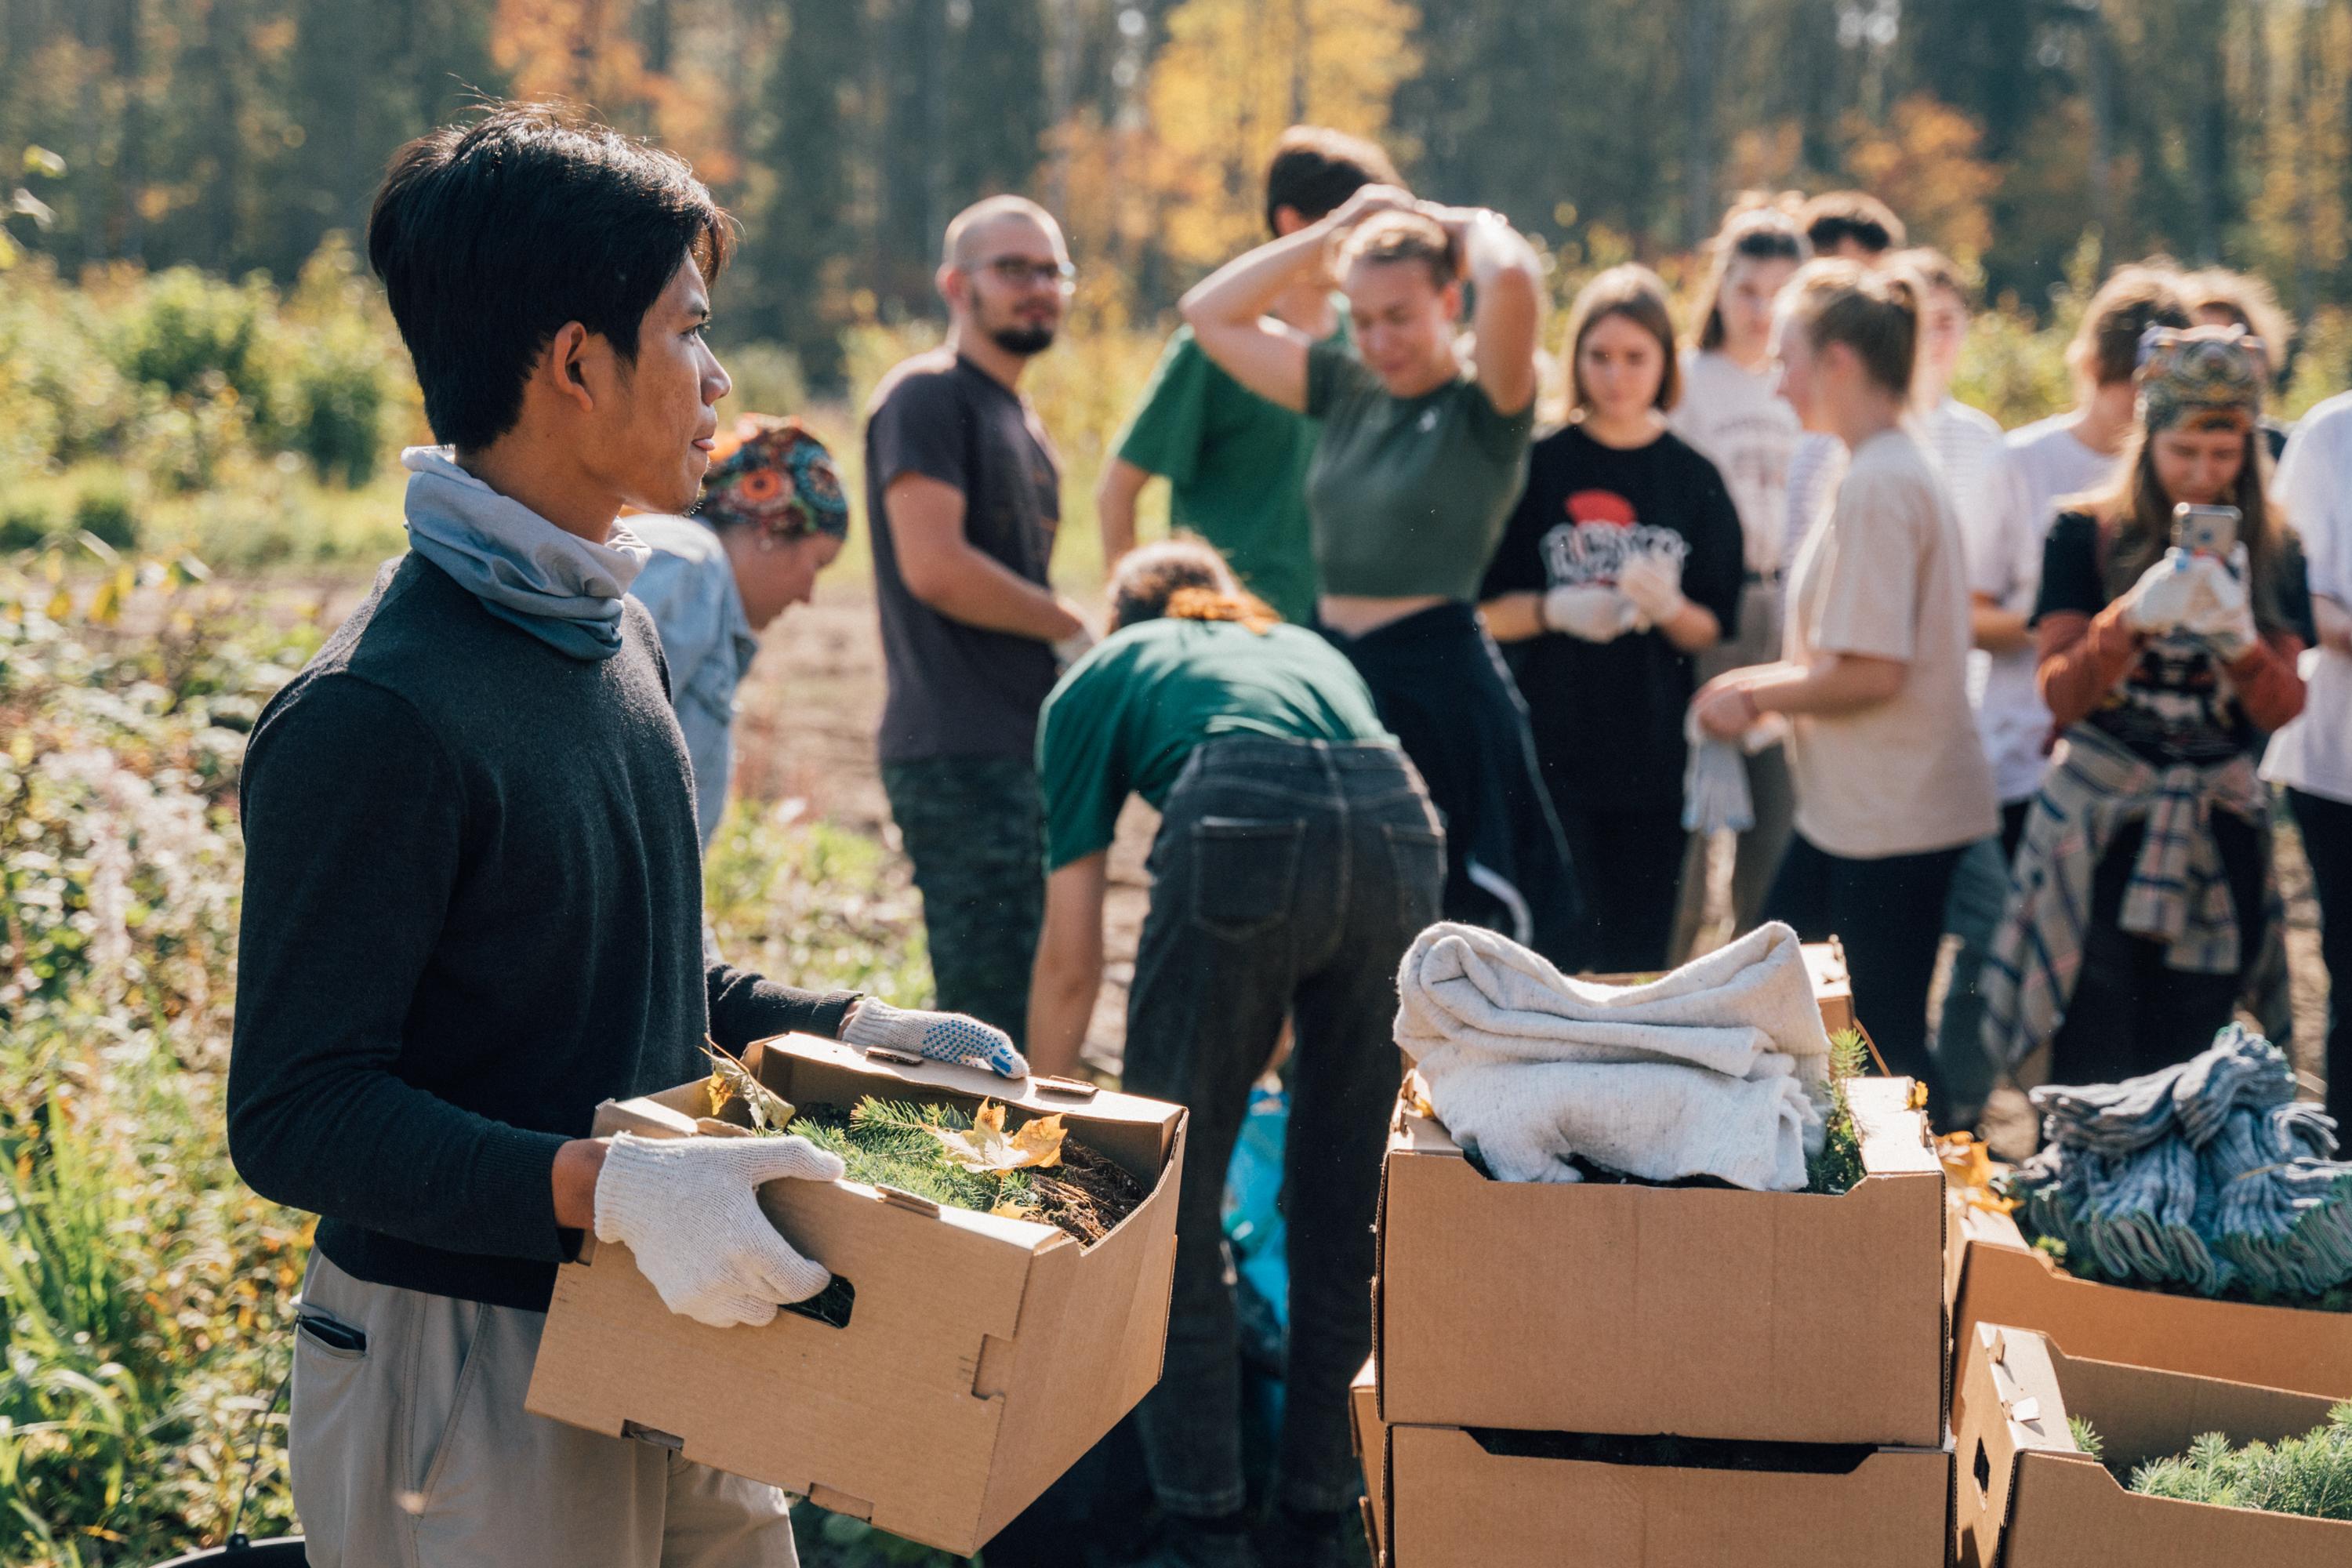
{"x": 1234, "y": 74}
{"x": 985, "y": 1147}
{"x": 1923, "y": 162}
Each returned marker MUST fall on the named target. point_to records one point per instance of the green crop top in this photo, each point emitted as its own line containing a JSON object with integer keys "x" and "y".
{"x": 1408, "y": 496}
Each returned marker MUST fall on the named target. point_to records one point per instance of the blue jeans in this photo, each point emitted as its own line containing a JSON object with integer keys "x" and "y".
{"x": 1290, "y": 876}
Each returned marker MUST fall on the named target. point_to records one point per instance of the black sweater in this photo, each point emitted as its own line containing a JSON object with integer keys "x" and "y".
{"x": 473, "y": 910}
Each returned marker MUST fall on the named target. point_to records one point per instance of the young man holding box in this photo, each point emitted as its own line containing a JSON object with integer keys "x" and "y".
{"x": 473, "y": 894}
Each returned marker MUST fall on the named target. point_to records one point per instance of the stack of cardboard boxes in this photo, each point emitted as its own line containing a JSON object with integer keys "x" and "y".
{"x": 1620, "y": 1375}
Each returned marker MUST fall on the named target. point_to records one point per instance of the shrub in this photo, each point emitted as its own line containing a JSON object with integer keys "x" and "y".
{"x": 104, "y": 512}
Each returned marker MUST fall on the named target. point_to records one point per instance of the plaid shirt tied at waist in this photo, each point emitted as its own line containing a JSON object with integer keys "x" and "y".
{"x": 2178, "y": 893}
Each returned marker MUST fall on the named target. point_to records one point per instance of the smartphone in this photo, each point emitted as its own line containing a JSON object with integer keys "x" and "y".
{"x": 2205, "y": 530}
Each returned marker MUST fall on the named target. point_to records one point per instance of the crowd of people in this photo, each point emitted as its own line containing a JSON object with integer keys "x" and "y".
{"x": 1416, "y": 652}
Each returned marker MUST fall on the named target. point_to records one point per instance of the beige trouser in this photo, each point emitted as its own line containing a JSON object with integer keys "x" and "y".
{"x": 415, "y": 1452}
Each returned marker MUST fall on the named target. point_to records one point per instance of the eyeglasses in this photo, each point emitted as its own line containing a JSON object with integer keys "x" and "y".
{"x": 1021, "y": 272}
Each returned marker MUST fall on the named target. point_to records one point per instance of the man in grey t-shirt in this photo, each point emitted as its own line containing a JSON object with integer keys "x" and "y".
{"x": 962, "y": 490}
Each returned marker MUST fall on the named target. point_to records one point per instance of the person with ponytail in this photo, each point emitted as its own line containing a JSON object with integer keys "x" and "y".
{"x": 2142, "y": 889}
{"x": 1891, "y": 784}
{"x": 1419, "y": 455}
{"x": 1298, "y": 857}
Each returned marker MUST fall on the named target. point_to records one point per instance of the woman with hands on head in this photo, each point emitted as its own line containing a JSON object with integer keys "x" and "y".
{"x": 1890, "y": 785}
{"x": 1622, "y": 562}
{"x": 2163, "y": 664}
{"x": 1418, "y": 461}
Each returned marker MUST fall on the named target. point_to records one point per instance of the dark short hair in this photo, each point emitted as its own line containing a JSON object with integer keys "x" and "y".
{"x": 490, "y": 235}
{"x": 2135, "y": 297}
{"x": 1837, "y": 217}
{"x": 1315, "y": 169}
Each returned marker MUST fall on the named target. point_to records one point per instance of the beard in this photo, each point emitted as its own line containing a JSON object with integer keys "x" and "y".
{"x": 1023, "y": 340}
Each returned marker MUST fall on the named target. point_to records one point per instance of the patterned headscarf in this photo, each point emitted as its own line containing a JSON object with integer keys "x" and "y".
{"x": 2203, "y": 378}
{"x": 774, "y": 475}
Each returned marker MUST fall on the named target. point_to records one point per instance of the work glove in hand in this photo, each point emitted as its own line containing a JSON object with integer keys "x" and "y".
{"x": 941, "y": 1036}
{"x": 1074, "y": 647}
{"x": 1653, "y": 582}
{"x": 685, "y": 1207}
{"x": 1592, "y": 612}
{"x": 2224, "y": 614}
{"x": 2164, "y": 595}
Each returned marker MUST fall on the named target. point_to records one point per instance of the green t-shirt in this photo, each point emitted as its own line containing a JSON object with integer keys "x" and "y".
{"x": 1128, "y": 715}
{"x": 1408, "y": 495}
{"x": 1236, "y": 470}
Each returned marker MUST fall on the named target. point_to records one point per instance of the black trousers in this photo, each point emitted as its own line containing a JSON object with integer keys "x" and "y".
{"x": 2132, "y": 1013}
{"x": 1889, "y": 913}
{"x": 1630, "y": 866}
{"x": 2327, "y": 828}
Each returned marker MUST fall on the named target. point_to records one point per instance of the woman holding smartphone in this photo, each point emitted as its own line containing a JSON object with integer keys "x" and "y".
{"x": 2166, "y": 649}
{"x": 1419, "y": 459}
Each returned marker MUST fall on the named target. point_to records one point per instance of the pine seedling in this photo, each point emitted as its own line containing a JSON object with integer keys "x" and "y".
{"x": 2310, "y": 1475}
{"x": 1839, "y": 1166}
{"x": 2086, "y": 1438}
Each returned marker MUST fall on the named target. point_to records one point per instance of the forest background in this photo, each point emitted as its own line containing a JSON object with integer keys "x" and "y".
{"x": 201, "y": 395}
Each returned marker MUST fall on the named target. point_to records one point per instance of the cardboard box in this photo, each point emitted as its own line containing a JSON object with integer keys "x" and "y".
{"x": 1999, "y": 1278}
{"x": 981, "y": 1356}
{"x": 1703, "y": 1311}
{"x": 1371, "y": 1445}
{"x": 1824, "y": 962}
{"x": 1475, "y": 1499}
{"x": 2026, "y": 1497}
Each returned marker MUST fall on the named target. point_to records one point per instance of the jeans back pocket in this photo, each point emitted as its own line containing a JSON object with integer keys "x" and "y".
{"x": 1244, "y": 872}
{"x": 1417, "y": 856}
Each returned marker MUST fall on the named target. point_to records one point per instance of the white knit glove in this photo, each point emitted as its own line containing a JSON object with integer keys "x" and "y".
{"x": 1592, "y": 612}
{"x": 2164, "y": 595}
{"x": 940, "y": 1037}
{"x": 1654, "y": 581}
{"x": 2224, "y": 615}
{"x": 685, "y": 1207}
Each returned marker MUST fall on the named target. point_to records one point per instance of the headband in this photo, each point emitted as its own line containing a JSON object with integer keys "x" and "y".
{"x": 774, "y": 475}
{"x": 2203, "y": 378}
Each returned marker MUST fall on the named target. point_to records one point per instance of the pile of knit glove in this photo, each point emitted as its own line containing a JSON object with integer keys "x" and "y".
{"x": 2208, "y": 1175}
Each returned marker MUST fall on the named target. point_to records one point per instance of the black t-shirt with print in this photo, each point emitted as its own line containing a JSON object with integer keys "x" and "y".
{"x": 1608, "y": 717}
{"x": 2175, "y": 704}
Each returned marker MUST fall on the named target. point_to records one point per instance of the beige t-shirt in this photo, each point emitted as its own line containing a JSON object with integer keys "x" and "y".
{"x": 1883, "y": 576}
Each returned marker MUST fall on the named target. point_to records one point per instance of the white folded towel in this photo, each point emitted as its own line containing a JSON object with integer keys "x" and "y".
{"x": 1713, "y": 1070}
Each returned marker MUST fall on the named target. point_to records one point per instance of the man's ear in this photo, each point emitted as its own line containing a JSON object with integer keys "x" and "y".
{"x": 953, "y": 285}
{"x": 1288, "y": 220}
{"x": 1451, "y": 296}
{"x": 569, "y": 361}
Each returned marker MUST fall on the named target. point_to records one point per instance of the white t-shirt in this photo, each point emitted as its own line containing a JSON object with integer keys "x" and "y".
{"x": 2046, "y": 464}
{"x": 2314, "y": 752}
{"x": 1987, "y": 499}
{"x": 1741, "y": 425}
{"x": 1814, "y": 470}
{"x": 1882, "y": 576}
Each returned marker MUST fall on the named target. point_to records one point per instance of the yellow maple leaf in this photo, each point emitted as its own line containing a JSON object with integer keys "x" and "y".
{"x": 985, "y": 1146}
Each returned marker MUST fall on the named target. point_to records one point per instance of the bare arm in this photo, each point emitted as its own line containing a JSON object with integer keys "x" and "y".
{"x": 1514, "y": 618}
{"x": 1509, "y": 277}
{"x": 1833, "y": 684}
{"x": 1227, "y": 311}
{"x": 1694, "y": 628}
{"x": 1114, "y": 495}
{"x": 1068, "y": 969}
{"x": 1994, "y": 630}
{"x": 944, "y": 571}
{"x": 2333, "y": 622}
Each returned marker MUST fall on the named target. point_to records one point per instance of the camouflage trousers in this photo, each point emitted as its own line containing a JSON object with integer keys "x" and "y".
{"x": 974, "y": 828}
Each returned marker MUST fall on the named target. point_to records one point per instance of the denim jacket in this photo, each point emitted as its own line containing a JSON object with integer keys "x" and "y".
{"x": 691, "y": 590}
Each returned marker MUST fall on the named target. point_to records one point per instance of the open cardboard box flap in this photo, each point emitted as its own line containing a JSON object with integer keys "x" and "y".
{"x": 1455, "y": 1501}
{"x": 2027, "y": 1498}
{"x": 982, "y": 1355}
{"x": 1702, "y": 1312}
{"x": 1371, "y": 1445}
{"x": 1998, "y": 1277}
